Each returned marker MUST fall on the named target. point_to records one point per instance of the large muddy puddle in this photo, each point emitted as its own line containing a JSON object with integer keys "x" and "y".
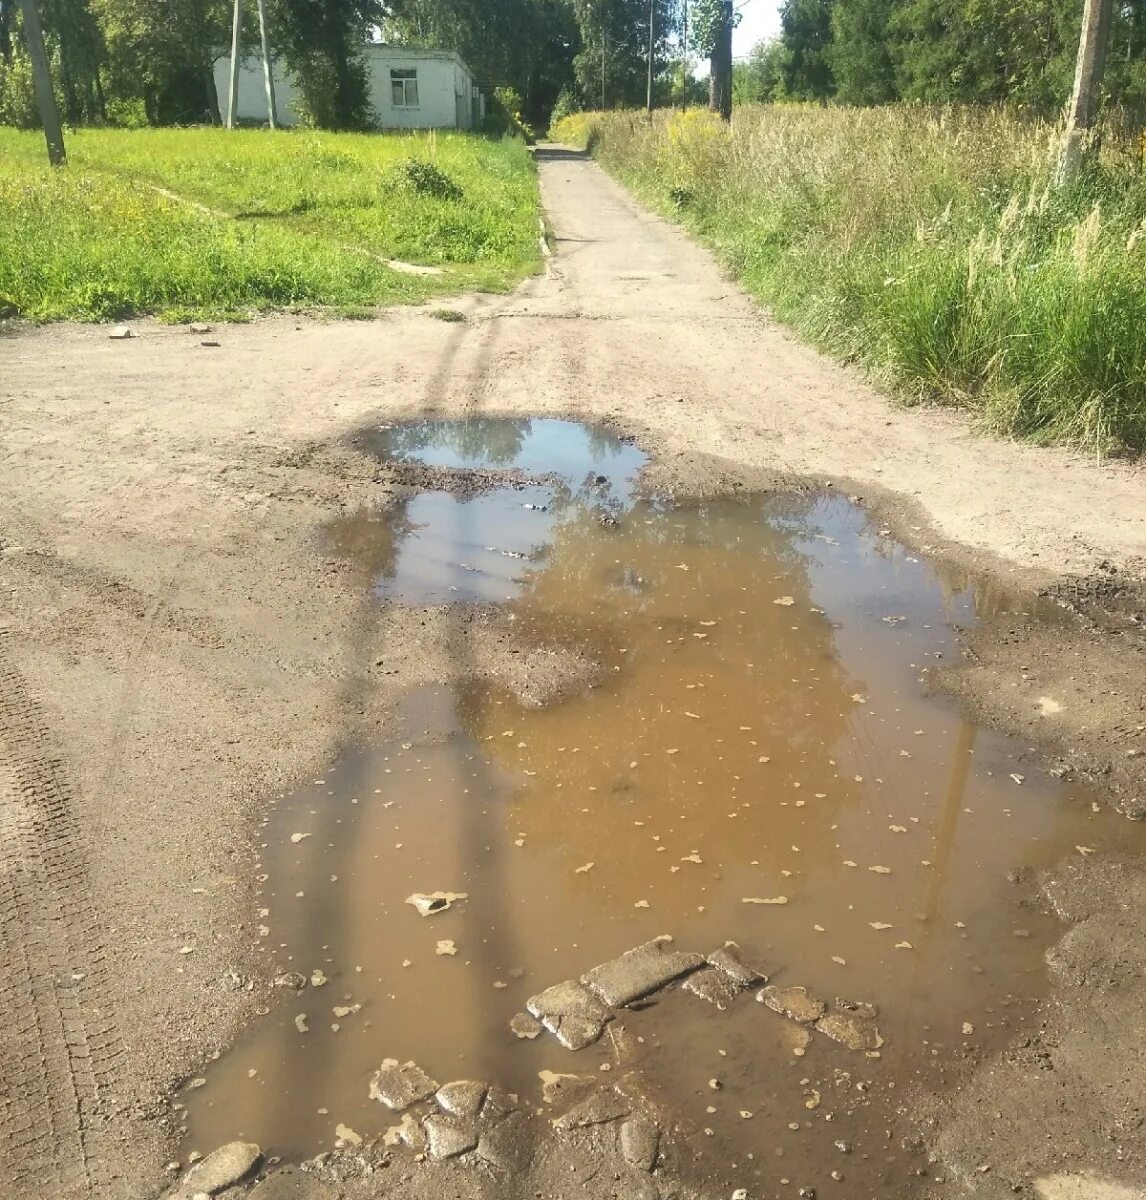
{"x": 761, "y": 761}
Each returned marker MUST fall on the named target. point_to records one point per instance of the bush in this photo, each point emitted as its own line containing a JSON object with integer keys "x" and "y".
{"x": 503, "y": 116}
{"x": 927, "y": 244}
{"x": 425, "y": 179}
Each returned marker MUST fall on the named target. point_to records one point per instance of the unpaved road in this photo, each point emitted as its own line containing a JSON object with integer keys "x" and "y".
{"x": 175, "y": 641}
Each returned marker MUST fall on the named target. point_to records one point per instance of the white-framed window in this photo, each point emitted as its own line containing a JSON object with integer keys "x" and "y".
{"x": 404, "y": 87}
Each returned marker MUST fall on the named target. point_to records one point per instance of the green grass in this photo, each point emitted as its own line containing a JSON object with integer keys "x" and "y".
{"x": 927, "y": 245}
{"x": 256, "y": 221}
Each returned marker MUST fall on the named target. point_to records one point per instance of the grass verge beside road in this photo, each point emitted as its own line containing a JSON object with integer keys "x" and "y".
{"x": 186, "y": 223}
{"x": 928, "y": 245}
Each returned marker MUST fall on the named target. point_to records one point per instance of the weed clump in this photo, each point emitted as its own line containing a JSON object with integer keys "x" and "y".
{"x": 424, "y": 178}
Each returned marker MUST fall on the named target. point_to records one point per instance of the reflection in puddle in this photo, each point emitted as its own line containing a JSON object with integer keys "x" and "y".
{"x": 765, "y": 732}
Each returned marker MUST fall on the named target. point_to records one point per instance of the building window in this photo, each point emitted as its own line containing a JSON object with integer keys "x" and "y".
{"x": 404, "y": 88}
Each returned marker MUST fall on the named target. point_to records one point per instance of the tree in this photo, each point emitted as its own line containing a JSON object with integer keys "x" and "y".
{"x": 611, "y": 65}
{"x": 807, "y": 33}
{"x": 860, "y": 53}
{"x": 321, "y": 41}
{"x": 712, "y": 25}
{"x": 760, "y": 80}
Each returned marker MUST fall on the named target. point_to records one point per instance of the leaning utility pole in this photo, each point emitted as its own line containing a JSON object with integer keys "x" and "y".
{"x": 233, "y": 89}
{"x": 1080, "y": 118}
{"x": 268, "y": 69}
{"x": 42, "y": 82}
{"x": 652, "y": 36}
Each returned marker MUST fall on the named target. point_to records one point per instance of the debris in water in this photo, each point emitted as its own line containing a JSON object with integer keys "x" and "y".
{"x": 879, "y": 925}
{"x": 764, "y": 900}
{"x": 523, "y": 1025}
{"x": 785, "y": 601}
{"x": 585, "y": 869}
{"x": 317, "y": 978}
{"x": 301, "y": 1024}
{"x": 880, "y": 870}
{"x": 298, "y": 837}
{"x": 345, "y": 1136}
{"x": 446, "y": 946}
{"x": 398, "y": 1085}
{"x": 430, "y": 903}
{"x": 792, "y": 1002}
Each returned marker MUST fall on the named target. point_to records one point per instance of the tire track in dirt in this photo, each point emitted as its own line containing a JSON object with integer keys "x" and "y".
{"x": 59, "y": 1047}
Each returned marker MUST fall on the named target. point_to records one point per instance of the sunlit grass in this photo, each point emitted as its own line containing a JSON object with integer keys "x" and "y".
{"x": 926, "y": 244}
{"x": 254, "y": 221}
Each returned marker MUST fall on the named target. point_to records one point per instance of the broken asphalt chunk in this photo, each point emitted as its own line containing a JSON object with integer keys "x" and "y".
{"x": 449, "y": 1136}
{"x": 596, "y": 1109}
{"x": 640, "y": 1141}
{"x": 640, "y": 972}
{"x": 398, "y": 1085}
{"x": 462, "y": 1098}
{"x": 792, "y": 1002}
{"x": 571, "y": 1013}
{"x": 508, "y": 1145}
{"x": 714, "y": 986}
{"x": 727, "y": 960}
{"x": 852, "y": 1025}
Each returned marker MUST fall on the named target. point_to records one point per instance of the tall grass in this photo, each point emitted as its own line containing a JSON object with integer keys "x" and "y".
{"x": 254, "y": 221}
{"x": 928, "y": 245}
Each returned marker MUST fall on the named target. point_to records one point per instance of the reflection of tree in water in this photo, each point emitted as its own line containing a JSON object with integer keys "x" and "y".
{"x": 490, "y": 441}
{"x": 712, "y": 680}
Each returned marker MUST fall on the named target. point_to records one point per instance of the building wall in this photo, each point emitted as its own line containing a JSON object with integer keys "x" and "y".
{"x": 445, "y": 90}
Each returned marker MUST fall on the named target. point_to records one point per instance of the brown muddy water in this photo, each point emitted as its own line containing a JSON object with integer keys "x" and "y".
{"x": 763, "y": 730}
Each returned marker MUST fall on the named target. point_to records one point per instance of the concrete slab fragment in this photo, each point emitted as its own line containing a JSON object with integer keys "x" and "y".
{"x": 597, "y": 1109}
{"x": 792, "y": 1002}
{"x": 523, "y": 1025}
{"x": 463, "y": 1098}
{"x": 714, "y": 986}
{"x": 571, "y": 1013}
{"x": 508, "y": 1145}
{"x": 640, "y": 972}
{"x": 640, "y": 1142}
{"x": 449, "y": 1136}
{"x": 729, "y": 960}
{"x": 854, "y": 1028}
{"x": 398, "y": 1085}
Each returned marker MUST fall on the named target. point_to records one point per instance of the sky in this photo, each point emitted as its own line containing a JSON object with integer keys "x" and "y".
{"x": 758, "y": 19}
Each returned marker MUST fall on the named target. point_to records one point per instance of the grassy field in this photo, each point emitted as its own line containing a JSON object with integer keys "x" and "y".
{"x": 257, "y": 220}
{"x": 928, "y": 245}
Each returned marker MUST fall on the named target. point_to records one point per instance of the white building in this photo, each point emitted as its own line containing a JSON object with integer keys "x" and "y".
{"x": 410, "y": 88}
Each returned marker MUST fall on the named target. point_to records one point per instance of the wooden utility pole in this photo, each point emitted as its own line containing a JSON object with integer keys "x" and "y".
{"x": 1093, "y": 47}
{"x": 652, "y": 38}
{"x": 42, "y": 82}
{"x": 268, "y": 69}
{"x": 233, "y": 89}
{"x": 687, "y": 58}
{"x": 720, "y": 74}
{"x": 604, "y": 51}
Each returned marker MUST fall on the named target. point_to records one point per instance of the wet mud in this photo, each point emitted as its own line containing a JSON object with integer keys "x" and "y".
{"x": 759, "y": 758}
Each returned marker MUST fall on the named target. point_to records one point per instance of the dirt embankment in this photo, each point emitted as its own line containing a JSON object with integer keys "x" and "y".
{"x": 178, "y": 639}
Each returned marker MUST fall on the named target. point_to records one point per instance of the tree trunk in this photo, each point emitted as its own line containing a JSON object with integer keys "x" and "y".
{"x": 1092, "y": 51}
{"x": 42, "y": 82}
{"x": 720, "y": 74}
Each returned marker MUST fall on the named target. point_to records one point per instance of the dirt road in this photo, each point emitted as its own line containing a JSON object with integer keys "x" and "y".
{"x": 177, "y": 643}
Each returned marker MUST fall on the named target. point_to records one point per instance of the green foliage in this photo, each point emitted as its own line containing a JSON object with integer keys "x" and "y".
{"x": 807, "y": 68}
{"x": 760, "y": 79}
{"x": 618, "y": 32}
{"x": 567, "y": 103}
{"x": 861, "y": 57}
{"x": 927, "y": 244}
{"x": 17, "y": 96}
{"x": 262, "y": 221}
{"x": 320, "y": 41}
{"x": 504, "y": 118}
{"x": 424, "y": 178}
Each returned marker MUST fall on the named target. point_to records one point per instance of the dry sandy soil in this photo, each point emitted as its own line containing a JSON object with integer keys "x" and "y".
{"x": 175, "y": 641}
